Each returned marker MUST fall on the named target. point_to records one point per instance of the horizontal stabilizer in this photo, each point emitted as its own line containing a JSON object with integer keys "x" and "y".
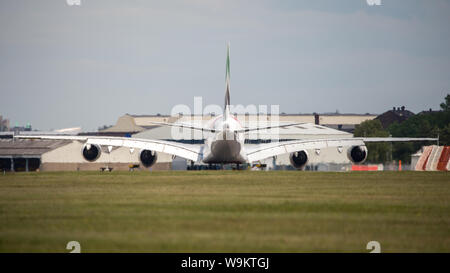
{"x": 245, "y": 130}
{"x": 180, "y": 125}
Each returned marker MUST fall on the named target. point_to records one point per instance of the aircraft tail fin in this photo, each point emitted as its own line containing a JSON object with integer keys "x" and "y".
{"x": 227, "y": 81}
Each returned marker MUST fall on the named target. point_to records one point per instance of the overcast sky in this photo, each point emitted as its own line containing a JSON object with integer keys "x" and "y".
{"x": 66, "y": 66}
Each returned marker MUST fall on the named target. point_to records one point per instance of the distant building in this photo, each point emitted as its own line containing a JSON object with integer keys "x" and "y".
{"x": 66, "y": 155}
{"x": 430, "y": 111}
{"x": 4, "y": 124}
{"x": 17, "y": 129}
{"x": 127, "y": 124}
{"x": 398, "y": 115}
{"x": 343, "y": 122}
{"x": 24, "y": 155}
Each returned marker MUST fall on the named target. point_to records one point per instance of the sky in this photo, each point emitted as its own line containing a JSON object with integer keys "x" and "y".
{"x": 68, "y": 65}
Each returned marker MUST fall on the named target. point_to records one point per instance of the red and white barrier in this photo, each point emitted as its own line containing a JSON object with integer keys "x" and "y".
{"x": 434, "y": 158}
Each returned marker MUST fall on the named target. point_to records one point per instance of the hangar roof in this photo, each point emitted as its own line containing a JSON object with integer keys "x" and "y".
{"x": 28, "y": 147}
{"x": 125, "y": 123}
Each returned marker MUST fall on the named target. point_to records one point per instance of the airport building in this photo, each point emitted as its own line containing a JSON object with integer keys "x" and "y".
{"x": 63, "y": 155}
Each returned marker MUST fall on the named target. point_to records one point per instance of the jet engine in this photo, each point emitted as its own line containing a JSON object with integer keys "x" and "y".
{"x": 299, "y": 159}
{"x": 148, "y": 158}
{"x": 91, "y": 152}
{"x": 357, "y": 154}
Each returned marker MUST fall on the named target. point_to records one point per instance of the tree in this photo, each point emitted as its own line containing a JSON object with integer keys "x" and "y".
{"x": 445, "y": 106}
{"x": 425, "y": 124}
{"x": 378, "y": 152}
{"x": 444, "y": 135}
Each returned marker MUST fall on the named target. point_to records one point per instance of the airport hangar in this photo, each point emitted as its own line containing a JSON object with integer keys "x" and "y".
{"x": 57, "y": 155}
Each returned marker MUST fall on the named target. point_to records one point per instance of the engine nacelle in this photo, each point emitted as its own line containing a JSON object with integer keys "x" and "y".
{"x": 299, "y": 159}
{"x": 357, "y": 154}
{"x": 148, "y": 158}
{"x": 91, "y": 152}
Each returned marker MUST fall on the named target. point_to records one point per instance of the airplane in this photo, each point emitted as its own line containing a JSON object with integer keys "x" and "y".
{"x": 225, "y": 141}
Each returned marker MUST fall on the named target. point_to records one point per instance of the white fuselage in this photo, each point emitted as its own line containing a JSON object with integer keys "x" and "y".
{"x": 226, "y": 145}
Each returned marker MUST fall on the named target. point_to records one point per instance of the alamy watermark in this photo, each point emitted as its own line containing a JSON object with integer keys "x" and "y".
{"x": 264, "y": 117}
{"x": 73, "y": 2}
{"x": 373, "y": 2}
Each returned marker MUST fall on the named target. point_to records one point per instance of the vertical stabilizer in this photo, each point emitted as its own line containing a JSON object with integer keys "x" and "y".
{"x": 227, "y": 90}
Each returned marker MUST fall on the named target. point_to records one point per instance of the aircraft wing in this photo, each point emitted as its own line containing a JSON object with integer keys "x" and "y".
{"x": 263, "y": 151}
{"x": 245, "y": 130}
{"x": 187, "y": 151}
{"x": 182, "y": 125}
{"x": 396, "y": 139}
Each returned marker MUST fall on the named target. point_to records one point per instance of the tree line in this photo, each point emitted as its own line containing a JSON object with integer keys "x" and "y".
{"x": 425, "y": 124}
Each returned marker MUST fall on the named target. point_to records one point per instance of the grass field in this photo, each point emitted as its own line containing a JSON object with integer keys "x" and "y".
{"x": 225, "y": 211}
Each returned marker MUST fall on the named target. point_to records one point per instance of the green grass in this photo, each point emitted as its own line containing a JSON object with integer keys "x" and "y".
{"x": 229, "y": 211}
